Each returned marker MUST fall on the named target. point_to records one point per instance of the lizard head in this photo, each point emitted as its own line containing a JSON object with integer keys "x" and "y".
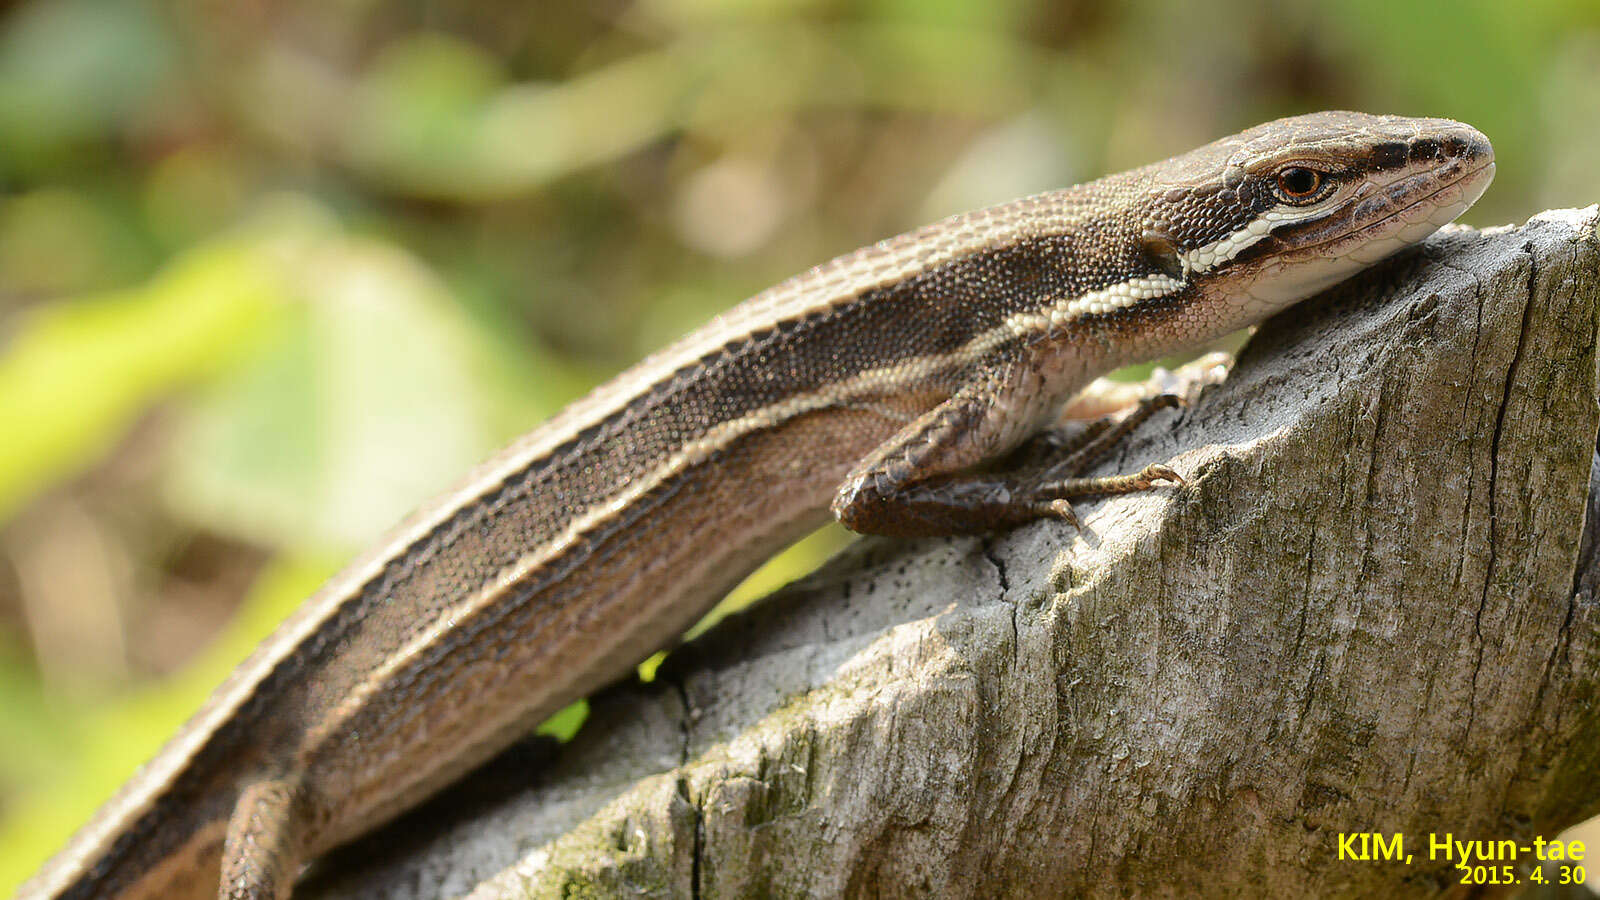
{"x": 1276, "y": 213}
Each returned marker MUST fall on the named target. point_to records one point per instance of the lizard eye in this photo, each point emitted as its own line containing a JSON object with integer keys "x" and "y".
{"x": 1298, "y": 184}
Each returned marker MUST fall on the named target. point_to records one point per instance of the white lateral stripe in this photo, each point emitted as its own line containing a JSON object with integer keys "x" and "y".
{"x": 1204, "y": 259}
{"x": 1109, "y": 299}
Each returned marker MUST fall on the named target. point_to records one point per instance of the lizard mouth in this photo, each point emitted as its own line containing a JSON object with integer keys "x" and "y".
{"x": 1390, "y": 217}
{"x": 1304, "y": 258}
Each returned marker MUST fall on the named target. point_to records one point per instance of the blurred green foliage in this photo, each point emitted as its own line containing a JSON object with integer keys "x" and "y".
{"x": 271, "y": 274}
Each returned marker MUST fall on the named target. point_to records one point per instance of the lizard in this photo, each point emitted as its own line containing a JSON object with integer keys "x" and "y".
{"x": 879, "y": 388}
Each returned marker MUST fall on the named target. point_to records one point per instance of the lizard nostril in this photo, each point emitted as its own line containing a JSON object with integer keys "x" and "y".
{"x": 1475, "y": 146}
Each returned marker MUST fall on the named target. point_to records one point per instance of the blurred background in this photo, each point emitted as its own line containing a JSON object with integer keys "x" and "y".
{"x": 273, "y": 273}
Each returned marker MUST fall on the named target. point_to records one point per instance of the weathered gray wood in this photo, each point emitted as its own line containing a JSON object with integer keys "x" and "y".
{"x": 1373, "y": 611}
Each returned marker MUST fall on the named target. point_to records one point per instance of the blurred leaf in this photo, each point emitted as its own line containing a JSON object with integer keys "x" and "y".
{"x": 564, "y": 724}
{"x": 57, "y": 241}
{"x": 418, "y": 107}
{"x": 524, "y": 135}
{"x": 74, "y": 375}
{"x": 31, "y": 734}
{"x": 360, "y": 407}
{"x": 687, "y": 14}
{"x": 985, "y": 14}
{"x": 193, "y": 193}
{"x": 73, "y": 70}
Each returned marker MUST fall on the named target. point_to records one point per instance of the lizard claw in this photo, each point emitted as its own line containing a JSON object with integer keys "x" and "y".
{"x": 1062, "y": 509}
{"x": 1157, "y": 472}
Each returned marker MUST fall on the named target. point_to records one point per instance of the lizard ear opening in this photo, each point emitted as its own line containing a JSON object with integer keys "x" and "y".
{"x": 1162, "y": 254}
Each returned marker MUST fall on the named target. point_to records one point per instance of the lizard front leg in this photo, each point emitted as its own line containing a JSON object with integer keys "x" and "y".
{"x": 922, "y": 481}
